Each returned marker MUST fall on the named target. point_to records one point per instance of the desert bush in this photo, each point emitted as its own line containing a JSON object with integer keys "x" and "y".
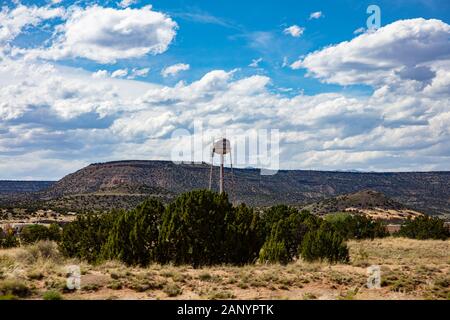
{"x": 52, "y": 295}
{"x": 134, "y": 235}
{"x": 357, "y": 226}
{"x": 36, "y": 232}
{"x": 35, "y": 275}
{"x": 424, "y": 227}
{"x": 172, "y": 290}
{"x": 194, "y": 229}
{"x": 8, "y": 239}
{"x": 324, "y": 244}
{"x": 42, "y": 250}
{"x": 14, "y": 287}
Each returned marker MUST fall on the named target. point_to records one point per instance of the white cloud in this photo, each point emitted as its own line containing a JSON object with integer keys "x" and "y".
{"x": 12, "y": 21}
{"x": 99, "y": 74}
{"x": 119, "y": 73}
{"x": 294, "y": 31}
{"x": 135, "y": 73}
{"x": 60, "y": 117}
{"x": 402, "y": 50}
{"x": 316, "y": 15}
{"x": 149, "y": 123}
{"x": 174, "y": 69}
{"x": 255, "y": 62}
{"x": 126, "y": 3}
{"x": 296, "y": 64}
{"x": 106, "y": 35}
{"x": 61, "y": 112}
{"x": 38, "y": 165}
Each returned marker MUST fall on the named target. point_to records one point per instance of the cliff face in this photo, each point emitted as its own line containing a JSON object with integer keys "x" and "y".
{"x": 428, "y": 192}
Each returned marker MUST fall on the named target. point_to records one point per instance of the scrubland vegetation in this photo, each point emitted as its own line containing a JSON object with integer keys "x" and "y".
{"x": 410, "y": 269}
{"x": 200, "y": 246}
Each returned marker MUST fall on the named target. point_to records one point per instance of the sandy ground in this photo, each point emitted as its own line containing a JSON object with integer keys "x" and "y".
{"x": 410, "y": 269}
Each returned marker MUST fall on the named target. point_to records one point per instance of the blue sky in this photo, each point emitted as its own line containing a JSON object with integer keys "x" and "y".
{"x": 224, "y": 35}
{"x": 90, "y": 81}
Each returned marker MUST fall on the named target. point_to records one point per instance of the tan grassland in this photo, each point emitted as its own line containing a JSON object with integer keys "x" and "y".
{"x": 410, "y": 269}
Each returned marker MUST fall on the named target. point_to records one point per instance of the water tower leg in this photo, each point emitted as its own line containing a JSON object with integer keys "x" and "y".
{"x": 221, "y": 173}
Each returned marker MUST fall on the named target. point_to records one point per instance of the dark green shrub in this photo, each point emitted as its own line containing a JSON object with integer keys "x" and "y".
{"x": 134, "y": 235}
{"x": 194, "y": 229}
{"x": 271, "y": 216}
{"x": 274, "y": 249}
{"x": 54, "y": 232}
{"x": 85, "y": 237}
{"x": 37, "y": 232}
{"x": 424, "y": 227}
{"x": 282, "y": 245}
{"x": 324, "y": 244}
{"x": 357, "y": 226}
{"x": 244, "y": 236}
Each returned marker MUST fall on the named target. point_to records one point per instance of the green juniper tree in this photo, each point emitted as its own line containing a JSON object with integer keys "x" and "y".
{"x": 194, "y": 229}
{"x": 134, "y": 235}
{"x": 324, "y": 244}
{"x": 424, "y": 227}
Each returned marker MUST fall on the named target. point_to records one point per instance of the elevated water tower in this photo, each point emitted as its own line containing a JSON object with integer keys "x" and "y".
{"x": 220, "y": 147}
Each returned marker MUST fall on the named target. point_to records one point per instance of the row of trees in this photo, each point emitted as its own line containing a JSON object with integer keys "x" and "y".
{"x": 29, "y": 234}
{"x": 203, "y": 228}
{"x": 425, "y": 227}
{"x": 357, "y": 226}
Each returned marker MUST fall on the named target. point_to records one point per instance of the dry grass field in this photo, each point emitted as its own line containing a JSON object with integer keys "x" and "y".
{"x": 410, "y": 269}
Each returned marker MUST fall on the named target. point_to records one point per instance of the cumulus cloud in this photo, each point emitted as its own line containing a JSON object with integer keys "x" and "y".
{"x": 136, "y": 72}
{"x": 174, "y": 69}
{"x": 395, "y": 128}
{"x": 126, "y": 3}
{"x": 100, "y": 74}
{"x": 54, "y": 116}
{"x": 12, "y": 21}
{"x": 119, "y": 73}
{"x": 316, "y": 15}
{"x": 405, "y": 49}
{"x": 105, "y": 35}
{"x": 294, "y": 31}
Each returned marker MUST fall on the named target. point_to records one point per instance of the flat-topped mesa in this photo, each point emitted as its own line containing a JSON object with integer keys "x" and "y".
{"x": 427, "y": 191}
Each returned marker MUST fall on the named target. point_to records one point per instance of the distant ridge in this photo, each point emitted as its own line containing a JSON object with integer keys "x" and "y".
{"x": 428, "y": 192}
{"x": 14, "y": 186}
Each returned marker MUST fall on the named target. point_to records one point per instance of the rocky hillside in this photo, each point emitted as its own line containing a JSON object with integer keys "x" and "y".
{"x": 427, "y": 192}
{"x": 368, "y": 202}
